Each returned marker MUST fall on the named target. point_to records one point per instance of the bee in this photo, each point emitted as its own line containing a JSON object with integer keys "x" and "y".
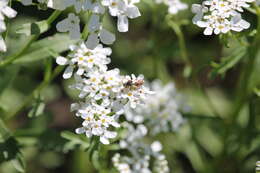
{"x": 139, "y": 83}
{"x": 135, "y": 84}
{"x": 128, "y": 84}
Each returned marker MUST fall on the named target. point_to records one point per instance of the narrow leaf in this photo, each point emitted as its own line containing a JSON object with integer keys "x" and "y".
{"x": 34, "y": 28}
{"x": 41, "y": 49}
{"x": 227, "y": 63}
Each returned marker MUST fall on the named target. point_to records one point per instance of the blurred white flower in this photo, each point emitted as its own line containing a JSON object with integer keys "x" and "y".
{"x": 140, "y": 153}
{"x": 156, "y": 146}
{"x": 174, "y": 6}
{"x": 161, "y": 165}
{"x": 71, "y": 25}
{"x": 161, "y": 110}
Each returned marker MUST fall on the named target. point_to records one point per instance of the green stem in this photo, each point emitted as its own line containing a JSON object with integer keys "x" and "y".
{"x": 187, "y": 71}
{"x": 37, "y": 90}
{"x": 53, "y": 16}
{"x": 211, "y": 105}
{"x": 177, "y": 29}
{"x": 85, "y": 32}
{"x": 9, "y": 60}
{"x": 243, "y": 91}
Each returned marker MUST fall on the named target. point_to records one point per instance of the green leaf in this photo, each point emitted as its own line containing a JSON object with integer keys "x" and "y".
{"x": 94, "y": 144}
{"x": 209, "y": 140}
{"x": 227, "y": 62}
{"x": 257, "y": 91}
{"x": 50, "y": 140}
{"x": 34, "y": 28}
{"x": 42, "y": 48}
{"x": 7, "y": 76}
{"x": 75, "y": 140}
{"x": 38, "y": 108}
{"x": 195, "y": 156}
{"x": 19, "y": 163}
{"x": 95, "y": 160}
{"x": 10, "y": 149}
{"x": 4, "y": 132}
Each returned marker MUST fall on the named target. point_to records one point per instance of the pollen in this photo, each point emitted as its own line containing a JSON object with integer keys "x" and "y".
{"x": 81, "y": 58}
{"x": 90, "y": 60}
{"x": 220, "y": 27}
{"x": 113, "y": 4}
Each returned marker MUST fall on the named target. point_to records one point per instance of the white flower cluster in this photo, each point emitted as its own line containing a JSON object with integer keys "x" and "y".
{"x": 161, "y": 111}
{"x": 7, "y": 11}
{"x": 221, "y": 16}
{"x": 104, "y": 92}
{"x": 174, "y": 6}
{"x": 141, "y": 154}
{"x": 122, "y": 9}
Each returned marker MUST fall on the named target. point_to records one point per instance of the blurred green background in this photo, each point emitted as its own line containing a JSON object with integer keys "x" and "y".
{"x": 215, "y": 138}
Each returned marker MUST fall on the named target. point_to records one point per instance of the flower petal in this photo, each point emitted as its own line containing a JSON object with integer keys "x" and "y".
{"x": 104, "y": 140}
{"x": 92, "y": 41}
{"x": 61, "y": 60}
{"x": 122, "y": 23}
{"x": 80, "y": 130}
{"x": 68, "y": 72}
{"x": 107, "y": 37}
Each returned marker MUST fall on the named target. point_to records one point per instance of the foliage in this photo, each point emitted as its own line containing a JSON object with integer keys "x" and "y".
{"x": 218, "y": 76}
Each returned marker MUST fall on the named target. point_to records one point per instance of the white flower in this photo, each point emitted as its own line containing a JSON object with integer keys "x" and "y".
{"x": 84, "y": 59}
{"x": 71, "y": 25}
{"x": 238, "y": 24}
{"x": 199, "y": 10}
{"x": 7, "y": 11}
{"x": 220, "y": 16}
{"x": 98, "y": 127}
{"x": 105, "y": 92}
{"x": 134, "y": 90}
{"x": 103, "y": 35}
{"x": 123, "y": 9}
